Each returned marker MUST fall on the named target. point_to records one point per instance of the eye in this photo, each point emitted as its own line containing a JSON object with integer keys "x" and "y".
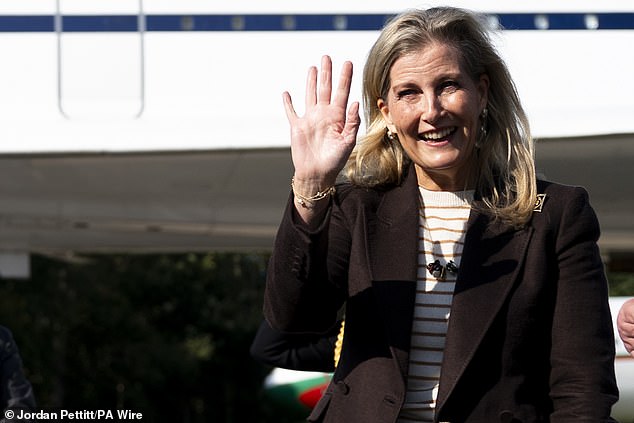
{"x": 448, "y": 87}
{"x": 407, "y": 94}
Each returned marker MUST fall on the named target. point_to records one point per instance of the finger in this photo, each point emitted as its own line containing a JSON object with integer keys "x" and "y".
{"x": 343, "y": 89}
{"x": 325, "y": 81}
{"x": 311, "y": 87}
{"x": 353, "y": 122}
{"x": 291, "y": 115}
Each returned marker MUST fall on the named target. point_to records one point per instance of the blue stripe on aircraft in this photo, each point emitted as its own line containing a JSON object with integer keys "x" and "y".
{"x": 300, "y": 22}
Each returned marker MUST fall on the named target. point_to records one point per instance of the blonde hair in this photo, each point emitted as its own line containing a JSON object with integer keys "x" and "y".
{"x": 505, "y": 178}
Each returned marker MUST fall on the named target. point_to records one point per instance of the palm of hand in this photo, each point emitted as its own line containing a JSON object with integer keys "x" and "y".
{"x": 323, "y": 138}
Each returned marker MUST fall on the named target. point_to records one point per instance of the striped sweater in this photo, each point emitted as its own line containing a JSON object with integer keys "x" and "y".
{"x": 443, "y": 220}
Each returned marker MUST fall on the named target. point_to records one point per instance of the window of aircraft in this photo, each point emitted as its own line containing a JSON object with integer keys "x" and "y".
{"x": 541, "y": 22}
{"x": 591, "y": 21}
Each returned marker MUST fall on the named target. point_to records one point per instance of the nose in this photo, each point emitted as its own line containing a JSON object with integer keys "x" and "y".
{"x": 432, "y": 108}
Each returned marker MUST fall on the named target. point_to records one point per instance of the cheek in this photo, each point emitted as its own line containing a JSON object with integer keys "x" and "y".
{"x": 404, "y": 115}
{"x": 467, "y": 112}
{"x": 462, "y": 105}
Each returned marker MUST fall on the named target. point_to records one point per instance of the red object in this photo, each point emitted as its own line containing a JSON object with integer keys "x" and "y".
{"x": 311, "y": 396}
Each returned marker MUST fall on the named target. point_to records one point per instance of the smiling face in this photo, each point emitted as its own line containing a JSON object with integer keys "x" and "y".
{"x": 433, "y": 105}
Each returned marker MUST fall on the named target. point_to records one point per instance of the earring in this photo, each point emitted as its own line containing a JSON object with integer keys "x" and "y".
{"x": 483, "y": 128}
{"x": 391, "y": 135}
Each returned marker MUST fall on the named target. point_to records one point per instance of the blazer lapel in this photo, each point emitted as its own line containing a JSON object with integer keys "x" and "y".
{"x": 392, "y": 237}
{"x": 492, "y": 257}
{"x": 392, "y": 246}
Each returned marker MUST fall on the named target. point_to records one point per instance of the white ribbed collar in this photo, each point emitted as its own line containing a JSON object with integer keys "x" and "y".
{"x": 446, "y": 198}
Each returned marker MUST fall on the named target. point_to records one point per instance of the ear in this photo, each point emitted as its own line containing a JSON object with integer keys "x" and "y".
{"x": 483, "y": 90}
{"x": 385, "y": 111}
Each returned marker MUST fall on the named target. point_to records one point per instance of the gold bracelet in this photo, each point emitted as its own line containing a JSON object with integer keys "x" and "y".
{"x": 309, "y": 202}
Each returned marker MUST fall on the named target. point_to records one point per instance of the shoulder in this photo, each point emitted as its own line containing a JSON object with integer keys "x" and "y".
{"x": 559, "y": 189}
{"x": 560, "y": 204}
{"x": 554, "y": 197}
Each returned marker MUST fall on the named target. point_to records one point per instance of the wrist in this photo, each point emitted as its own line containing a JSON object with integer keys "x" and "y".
{"x": 309, "y": 192}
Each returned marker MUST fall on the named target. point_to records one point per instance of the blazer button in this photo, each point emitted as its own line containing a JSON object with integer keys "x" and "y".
{"x": 343, "y": 387}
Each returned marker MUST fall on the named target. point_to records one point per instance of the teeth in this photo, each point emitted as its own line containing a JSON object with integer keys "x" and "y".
{"x": 437, "y": 135}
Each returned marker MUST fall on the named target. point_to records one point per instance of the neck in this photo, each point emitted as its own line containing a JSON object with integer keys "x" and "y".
{"x": 442, "y": 181}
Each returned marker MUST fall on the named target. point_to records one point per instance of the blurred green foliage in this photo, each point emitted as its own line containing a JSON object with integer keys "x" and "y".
{"x": 165, "y": 335}
{"x": 621, "y": 283}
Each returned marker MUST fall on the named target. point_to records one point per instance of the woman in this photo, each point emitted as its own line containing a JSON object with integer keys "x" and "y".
{"x": 472, "y": 291}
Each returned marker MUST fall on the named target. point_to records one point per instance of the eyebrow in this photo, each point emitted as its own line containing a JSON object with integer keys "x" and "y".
{"x": 449, "y": 76}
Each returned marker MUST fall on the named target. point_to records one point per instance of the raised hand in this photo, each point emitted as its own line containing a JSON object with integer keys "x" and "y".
{"x": 323, "y": 138}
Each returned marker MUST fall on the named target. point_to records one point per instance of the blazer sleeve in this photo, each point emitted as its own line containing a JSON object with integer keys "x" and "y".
{"x": 307, "y": 273}
{"x": 295, "y": 352}
{"x": 583, "y": 384}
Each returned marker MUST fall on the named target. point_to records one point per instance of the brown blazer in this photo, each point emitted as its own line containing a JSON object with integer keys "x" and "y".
{"x": 530, "y": 334}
